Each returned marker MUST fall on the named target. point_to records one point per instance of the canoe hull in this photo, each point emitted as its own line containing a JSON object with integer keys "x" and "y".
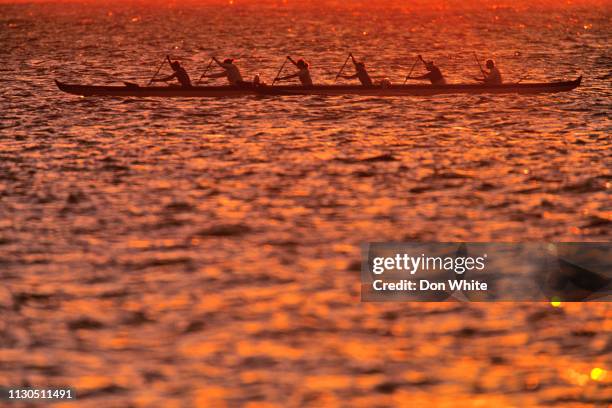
{"x": 324, "y": 90}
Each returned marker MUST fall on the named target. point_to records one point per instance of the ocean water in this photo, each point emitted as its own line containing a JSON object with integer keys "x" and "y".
{"x": 187, "y": 252}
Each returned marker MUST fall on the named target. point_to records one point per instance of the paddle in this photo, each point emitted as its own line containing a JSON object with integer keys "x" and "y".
{"x": 158, "y": 68}
{"x": 280, "y": 70}
{"x": 411, "y": 69}
{"x": 480, "y": 66}
{"x": 206, "y": 70}
{"x": 342, "y": 69}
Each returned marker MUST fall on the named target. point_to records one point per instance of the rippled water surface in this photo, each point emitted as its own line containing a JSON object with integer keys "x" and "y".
{"x": 185, "y": 252}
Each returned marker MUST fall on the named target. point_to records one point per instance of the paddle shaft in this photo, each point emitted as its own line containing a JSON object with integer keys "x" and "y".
{"x": 479, "y": 65}
{"x": 411, "y": 69}
{"x": 158, "y": 69}
{"x": 280, "y": 70}
{"x": 206, "y": 70}
{"x": 342, "y": 69}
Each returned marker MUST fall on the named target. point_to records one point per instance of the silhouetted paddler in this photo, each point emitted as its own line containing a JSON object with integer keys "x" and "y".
{"x": 180, "y": 74}
{"x": 230, "y": 71}
{"x": 360, "y": 72}
{"x": 434, "y": 75}
{"x": 303, "y": 72}
{"x": 493, "y": 77}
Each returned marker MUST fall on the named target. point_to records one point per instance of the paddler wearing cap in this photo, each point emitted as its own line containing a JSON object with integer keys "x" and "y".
{"x": 434, "y": 74}
{"x": 230, "y": 71}
{"x": 303, "y": 72}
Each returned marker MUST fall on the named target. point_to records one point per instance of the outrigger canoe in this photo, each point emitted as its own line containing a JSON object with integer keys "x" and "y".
{"x": 389, "y": 90}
